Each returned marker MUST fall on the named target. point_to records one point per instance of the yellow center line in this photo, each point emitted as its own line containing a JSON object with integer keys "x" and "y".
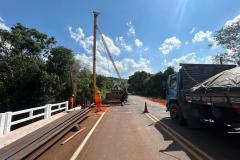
{"x": 184, "y": 139}
{"x": 150, "y": 118}
{"x": 181, "y": 140}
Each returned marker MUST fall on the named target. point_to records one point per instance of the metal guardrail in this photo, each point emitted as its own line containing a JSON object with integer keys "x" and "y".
{"x": 6, "y": 119}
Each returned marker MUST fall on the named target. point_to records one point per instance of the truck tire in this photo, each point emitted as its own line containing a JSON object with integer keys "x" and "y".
{"x": 194, "y": 120}
{"x": 194, "y": 123}
{"x": 176, "y": 114}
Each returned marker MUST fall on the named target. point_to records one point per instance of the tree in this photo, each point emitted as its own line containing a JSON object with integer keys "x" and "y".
{"x": 61, "y": 63}
{"x": 229, "y": 38}
{"x": 136, "y": 82}
{"x": 21, "y": 64}
{"x": 147, "y": 84}
{"x": 24, "y": 41}
{"x": 84, "y": 84}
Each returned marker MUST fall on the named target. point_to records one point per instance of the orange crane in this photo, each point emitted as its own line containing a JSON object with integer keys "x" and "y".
{"x": 116, "y": 95}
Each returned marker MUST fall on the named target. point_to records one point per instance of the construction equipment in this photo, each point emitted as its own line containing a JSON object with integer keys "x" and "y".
{"x": 94, "y": 53}
{"x": 116, "y": 95}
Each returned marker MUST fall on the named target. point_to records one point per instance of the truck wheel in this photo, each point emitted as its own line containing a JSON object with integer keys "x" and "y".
{"x": 194, "y": 123}
{"x": 221, "y": 125}
{"x": 176, "y": 114}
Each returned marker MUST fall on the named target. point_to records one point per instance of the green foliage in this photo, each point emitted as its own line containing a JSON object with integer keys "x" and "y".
{"x": 107, "y": 84}
{"x": 84, "y": 84}
{"x": 137, "y": 82}
{"x": 61, "y": 63}
{"x": 32, "y": 72}
{"x": 147, "y": 84}
{"x": 229, "y": 38}
{"x": 21, "y": 66}
{"x": 24, "y": 41}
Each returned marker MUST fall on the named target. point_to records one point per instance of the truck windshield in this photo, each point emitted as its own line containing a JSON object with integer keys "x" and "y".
{"x": 173, "y": 83}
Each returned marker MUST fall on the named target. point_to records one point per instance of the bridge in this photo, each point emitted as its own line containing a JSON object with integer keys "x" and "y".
{"x": 119, "y": 132}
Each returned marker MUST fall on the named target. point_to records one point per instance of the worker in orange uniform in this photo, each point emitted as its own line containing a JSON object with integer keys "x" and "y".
{"x": 71, "y": 102}
{"x": 98, "y": 101}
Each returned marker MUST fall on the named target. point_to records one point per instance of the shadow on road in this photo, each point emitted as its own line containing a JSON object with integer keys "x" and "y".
{"x": 218, "y": 143}
{"x": 174, "y": 146}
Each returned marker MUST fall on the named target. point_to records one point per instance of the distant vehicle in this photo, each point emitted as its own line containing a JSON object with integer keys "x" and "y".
{"x": 200, "y": 92}
{"x": 116, "y": 96}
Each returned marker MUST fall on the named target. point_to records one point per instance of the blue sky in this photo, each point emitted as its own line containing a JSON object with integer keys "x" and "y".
{"x": 142, "y": 35}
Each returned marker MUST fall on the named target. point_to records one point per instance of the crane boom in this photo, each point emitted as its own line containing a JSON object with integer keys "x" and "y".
{"x": 110, "y": 56}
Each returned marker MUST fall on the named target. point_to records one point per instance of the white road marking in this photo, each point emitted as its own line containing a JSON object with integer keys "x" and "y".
{"x": 80, "y": 147}
{"x": 69, "y": 138}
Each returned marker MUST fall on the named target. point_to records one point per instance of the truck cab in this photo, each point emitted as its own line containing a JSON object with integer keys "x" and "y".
{"x": 172, "y": 88}
{"x": 172, "y": 95}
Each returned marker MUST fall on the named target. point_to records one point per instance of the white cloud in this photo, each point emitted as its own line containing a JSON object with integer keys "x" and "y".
{"x": 87, "y": 42}
{"x": 201, "y": 36}
{"x": 186, "y": 43}
{"x": 233, "y": 21}
{"x": 207, "y": 35}
{"x": 138, "y": 42}
{"x": 146, "y": 49}
{"x": 112, "y": 47}
{"x": 208, "y": 60}
{"x": 3, "y": 25}
{"x": 121, "y": 42}
{"x": 193, "y": 30}
{"x": 169, "y": 44}
{"x": 77, "y": 34}
{"x": 126, "y": 66}
{"x": 131, "y": 29}
{"x": 188, "y": 58}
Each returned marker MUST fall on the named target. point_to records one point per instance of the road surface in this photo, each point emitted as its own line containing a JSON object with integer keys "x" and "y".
{"x": 124, "y": 133}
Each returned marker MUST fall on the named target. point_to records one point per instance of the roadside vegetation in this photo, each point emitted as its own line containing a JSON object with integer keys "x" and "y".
{"x": 34, "y": 71}
{"x": 154, "y": 85}
{"x": 151, "y": 85}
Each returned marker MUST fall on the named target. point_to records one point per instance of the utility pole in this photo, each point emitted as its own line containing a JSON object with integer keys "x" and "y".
{"x": 94, "y": 52}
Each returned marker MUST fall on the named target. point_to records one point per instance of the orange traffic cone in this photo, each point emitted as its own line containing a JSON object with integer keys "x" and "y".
{"x": 145, "y": 108}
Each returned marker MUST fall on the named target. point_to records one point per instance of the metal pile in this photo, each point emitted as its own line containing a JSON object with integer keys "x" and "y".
{"x": 34, "y": 144}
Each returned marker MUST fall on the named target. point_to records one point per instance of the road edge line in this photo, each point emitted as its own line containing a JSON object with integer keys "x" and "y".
{"x": 81, "y": 146}
{"x": 182, "y": 138}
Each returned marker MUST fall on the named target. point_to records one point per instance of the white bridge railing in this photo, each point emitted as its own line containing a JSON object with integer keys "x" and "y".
{"x": 7, "y": 121}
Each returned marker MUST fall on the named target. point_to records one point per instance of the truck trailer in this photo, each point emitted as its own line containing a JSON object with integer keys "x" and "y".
{"x": 204, "y": 92}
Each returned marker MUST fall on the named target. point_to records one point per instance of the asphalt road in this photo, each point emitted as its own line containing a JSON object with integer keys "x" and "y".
{"x": 124, "y": 133}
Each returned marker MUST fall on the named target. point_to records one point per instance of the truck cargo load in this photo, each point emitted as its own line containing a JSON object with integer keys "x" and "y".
{"x": 225, "y": 82}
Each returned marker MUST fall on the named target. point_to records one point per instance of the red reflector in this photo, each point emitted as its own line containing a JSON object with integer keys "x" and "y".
{"x": 237, "y": 106}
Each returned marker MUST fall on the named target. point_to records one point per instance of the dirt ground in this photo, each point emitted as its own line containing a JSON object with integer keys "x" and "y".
{"x": 158, "y": 100}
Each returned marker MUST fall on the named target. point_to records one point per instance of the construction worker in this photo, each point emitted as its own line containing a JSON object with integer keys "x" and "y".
{"x": 123, "y": 97}
{"x": 71, "y": 102}
{"x": 98, "y": 101}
